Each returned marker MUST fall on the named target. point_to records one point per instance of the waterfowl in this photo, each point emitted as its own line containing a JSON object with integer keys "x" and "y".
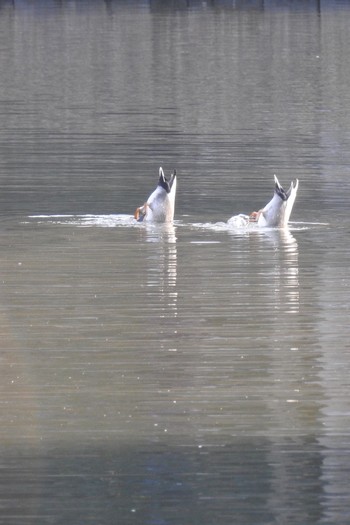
{"x": 277, "y": 211}
{"x": 160, "y": 205}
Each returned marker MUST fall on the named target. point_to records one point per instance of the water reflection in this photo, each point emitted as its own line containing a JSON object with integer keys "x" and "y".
{"x": 161, "y": 262}
{"x": 111, "y": 5}
{"x": 275, "y": 255}
{"x": 286, "y": 270}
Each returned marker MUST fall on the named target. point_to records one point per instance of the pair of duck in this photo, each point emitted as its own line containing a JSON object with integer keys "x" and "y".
{"x": 160, "y": 205}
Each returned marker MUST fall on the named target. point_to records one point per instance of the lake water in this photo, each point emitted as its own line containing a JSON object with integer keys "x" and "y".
{"x": 185, "y": 374}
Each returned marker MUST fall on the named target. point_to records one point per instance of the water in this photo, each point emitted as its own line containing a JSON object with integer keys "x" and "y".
{"x": 192, "y": 373}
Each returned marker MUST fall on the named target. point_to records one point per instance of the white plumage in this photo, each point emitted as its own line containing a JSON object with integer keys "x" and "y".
{"x": 277, "y": 211}
{"x": 160, "y": 205}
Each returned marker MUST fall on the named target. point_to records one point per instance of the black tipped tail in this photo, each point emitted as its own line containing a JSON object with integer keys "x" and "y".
{"x": 279, "y": 190}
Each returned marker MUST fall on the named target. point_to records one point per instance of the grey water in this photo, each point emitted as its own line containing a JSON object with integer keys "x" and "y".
{"x": 182, "y": 374}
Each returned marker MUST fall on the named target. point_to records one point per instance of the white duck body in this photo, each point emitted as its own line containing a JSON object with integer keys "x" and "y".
{"x": 160, "y": 205}
{"x": 277, "y": 211}
{"x": 275, "y": 214}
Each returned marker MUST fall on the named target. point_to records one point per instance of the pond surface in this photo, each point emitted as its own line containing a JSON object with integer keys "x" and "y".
{"x": 191, "y": 373}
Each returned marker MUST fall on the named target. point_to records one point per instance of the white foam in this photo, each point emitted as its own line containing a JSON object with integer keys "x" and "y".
{"x": 104, "y": 221}
{"x": 236, "y": 223}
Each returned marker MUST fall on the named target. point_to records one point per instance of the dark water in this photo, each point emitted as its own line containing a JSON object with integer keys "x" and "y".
{"x": 184, "y": 374}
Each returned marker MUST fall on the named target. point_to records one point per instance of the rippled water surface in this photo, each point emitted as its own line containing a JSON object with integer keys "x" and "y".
{"x": 193, "y": 373}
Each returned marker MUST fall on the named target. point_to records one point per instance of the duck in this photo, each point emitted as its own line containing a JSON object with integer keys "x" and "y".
{"x": 277, "y": 211}
{"x": 160, "y": 205}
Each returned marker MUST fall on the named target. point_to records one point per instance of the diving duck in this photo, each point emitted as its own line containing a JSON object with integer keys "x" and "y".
{"x": 277, "y": 211}
{"x": 160, "y": 205}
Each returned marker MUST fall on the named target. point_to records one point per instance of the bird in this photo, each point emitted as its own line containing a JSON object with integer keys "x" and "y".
{"x": 160, "y": 205}
{"x": 277, "y": 211}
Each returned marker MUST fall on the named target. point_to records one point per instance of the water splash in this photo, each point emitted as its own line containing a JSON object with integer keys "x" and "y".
{"x": 235, "y": 224}
{"x": 103, "y": 221}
